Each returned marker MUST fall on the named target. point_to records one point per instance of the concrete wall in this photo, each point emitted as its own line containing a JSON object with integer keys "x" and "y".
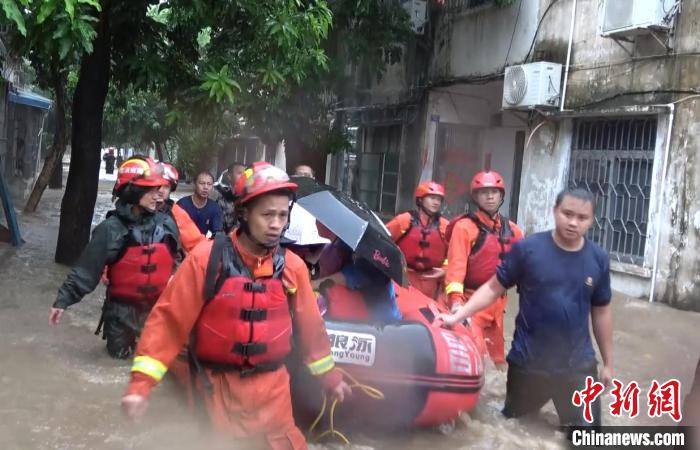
{"x": 489, "y": 133}
{"x": 545, "y": 162}
{"x": 482, "y": 40}
{"x": 3, "y": 129}
{"x": 602, "y": 75}
{"x": 23, "y": 156}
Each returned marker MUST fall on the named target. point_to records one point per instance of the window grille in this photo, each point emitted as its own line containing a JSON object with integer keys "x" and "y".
{"x": 613, "y": 158}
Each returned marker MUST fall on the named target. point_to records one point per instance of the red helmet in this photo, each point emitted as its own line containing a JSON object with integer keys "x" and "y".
{"x": 261, "y": 178}
{"x": 429, "y": 188}
{"x": 487, "y": 179}
{"x": 170, "y": 173}
{"x": 139, "y": 172}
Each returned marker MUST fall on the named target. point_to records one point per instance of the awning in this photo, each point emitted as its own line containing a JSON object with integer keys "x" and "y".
{"x": 28, "y": 98}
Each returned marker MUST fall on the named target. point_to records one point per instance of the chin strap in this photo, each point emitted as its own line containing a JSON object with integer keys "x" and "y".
{"x": 245, "y": 230}
{"x": 492, "y": 216}
{"x": 431, "y": 216}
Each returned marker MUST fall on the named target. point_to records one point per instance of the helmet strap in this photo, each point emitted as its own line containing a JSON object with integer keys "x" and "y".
{"x": 245, "y": 229}
{"x": 492, "y": 216}
{"x": 419, "y": 205}
{"x": 243, "y": 226}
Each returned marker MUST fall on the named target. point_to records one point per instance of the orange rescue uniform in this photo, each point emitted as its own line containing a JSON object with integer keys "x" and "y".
{"x": 257, "y": 405}
{"x": 190, "y": 235}
{"x": 398, "y": 226}
{"x": 487, "y": 322}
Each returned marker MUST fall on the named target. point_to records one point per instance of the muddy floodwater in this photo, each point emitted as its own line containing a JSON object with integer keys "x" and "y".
{"x": 60, "y": 390}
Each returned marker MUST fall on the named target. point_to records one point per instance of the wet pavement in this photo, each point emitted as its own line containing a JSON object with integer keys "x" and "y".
{"x": 60, "y": 390}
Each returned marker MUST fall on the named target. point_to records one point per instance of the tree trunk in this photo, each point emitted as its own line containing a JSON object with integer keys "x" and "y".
{"x": 56, "y": 181}
{"x": 54, "y": 159}
{"x": 78, "y": 203}
{"x": 159, "y": 150}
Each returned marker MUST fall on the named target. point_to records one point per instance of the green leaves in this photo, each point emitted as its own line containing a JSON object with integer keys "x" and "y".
{"x": 204, "y": 38}
{"x": 45, "y": 10}
{"x": 219, "y": 84}
{"x": 159, "y": 13}
{"x": 13, "y": 14}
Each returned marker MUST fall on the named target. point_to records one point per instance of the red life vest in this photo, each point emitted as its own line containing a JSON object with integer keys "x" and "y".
{"x": 143, "y": 271}
{"x": 423, "y": 247}
{"x": 245, "y": 324}
{"x": 487, "y": 252}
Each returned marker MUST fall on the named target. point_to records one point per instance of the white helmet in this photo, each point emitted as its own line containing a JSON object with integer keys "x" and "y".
{"x": 302, "y": 228}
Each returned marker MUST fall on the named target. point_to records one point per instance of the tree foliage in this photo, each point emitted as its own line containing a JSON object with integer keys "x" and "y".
{"x": 53, "y": 35}
{"x": 213, "y": 62}
{"x": 366, "y": 34}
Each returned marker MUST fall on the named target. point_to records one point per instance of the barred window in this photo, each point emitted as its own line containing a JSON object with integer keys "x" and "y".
{"x": 613, "y": 158}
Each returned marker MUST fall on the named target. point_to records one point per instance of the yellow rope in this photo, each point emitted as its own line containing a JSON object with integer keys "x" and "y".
{"x": 368, "y": 390}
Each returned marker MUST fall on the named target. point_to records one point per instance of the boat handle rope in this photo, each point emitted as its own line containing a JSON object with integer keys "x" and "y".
{"x": 368, "y": 390}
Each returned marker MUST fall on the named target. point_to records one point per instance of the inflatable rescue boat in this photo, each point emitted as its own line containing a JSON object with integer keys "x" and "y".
{"x": 426, "y": 374}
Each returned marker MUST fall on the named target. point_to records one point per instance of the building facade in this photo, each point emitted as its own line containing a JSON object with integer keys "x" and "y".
{"x": 627, "y": 130}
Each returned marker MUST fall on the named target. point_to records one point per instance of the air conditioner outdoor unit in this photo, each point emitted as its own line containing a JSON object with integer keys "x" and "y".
{"x": 623, "y": 18}
{"x": 535, "y": 85}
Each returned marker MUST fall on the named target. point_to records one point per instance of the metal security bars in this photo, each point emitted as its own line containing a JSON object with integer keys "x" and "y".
{"x": 613, "y": 158}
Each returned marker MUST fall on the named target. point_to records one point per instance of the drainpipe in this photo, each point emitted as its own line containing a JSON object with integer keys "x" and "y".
{"x": 657, "y": 245}
{"x": 40, "y": 136}
{"x": 568, "y": 56}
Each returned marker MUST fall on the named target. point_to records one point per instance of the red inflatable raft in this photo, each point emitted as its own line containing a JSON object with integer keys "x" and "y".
{"x": 427, "y": 374}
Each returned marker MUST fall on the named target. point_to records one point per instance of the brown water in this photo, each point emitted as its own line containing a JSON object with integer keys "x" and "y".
{"x": 60, "y": 390}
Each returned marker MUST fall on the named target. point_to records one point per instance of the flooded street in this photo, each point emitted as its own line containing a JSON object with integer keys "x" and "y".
{"x": 60, "y": 390}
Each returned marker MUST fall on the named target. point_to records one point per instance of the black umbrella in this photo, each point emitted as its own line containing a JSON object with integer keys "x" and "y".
{"x": 355, "y": 224}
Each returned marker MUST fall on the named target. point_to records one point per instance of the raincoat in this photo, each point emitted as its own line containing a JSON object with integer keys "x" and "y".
{"x": 122, "y": 321}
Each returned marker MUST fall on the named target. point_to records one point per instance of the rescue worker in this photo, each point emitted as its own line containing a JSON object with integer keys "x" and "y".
{"x": 420, "y": 234}
{"x": 138, "y": 245}
{"x": 478, "y": 242}
{"x": 190, "y": 235}
{"x": 236, "y": 301}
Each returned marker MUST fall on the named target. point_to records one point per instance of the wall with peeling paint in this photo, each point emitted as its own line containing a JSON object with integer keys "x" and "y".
{"x": 604, "y": 78}
{"x": 483, "y": 40}
{"x": 476, "y": 108}
{"x": 470, "y": 48}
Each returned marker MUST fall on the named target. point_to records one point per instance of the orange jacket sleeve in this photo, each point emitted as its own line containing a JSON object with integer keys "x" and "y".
{"x": 457, "y": 256}
{"x": 168, "y": 326}
{"x": 308, "y": 324}
{"x": 190, "y": 235}
{"x": 399, "y": 225}
{"x": 443, "y": 231}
